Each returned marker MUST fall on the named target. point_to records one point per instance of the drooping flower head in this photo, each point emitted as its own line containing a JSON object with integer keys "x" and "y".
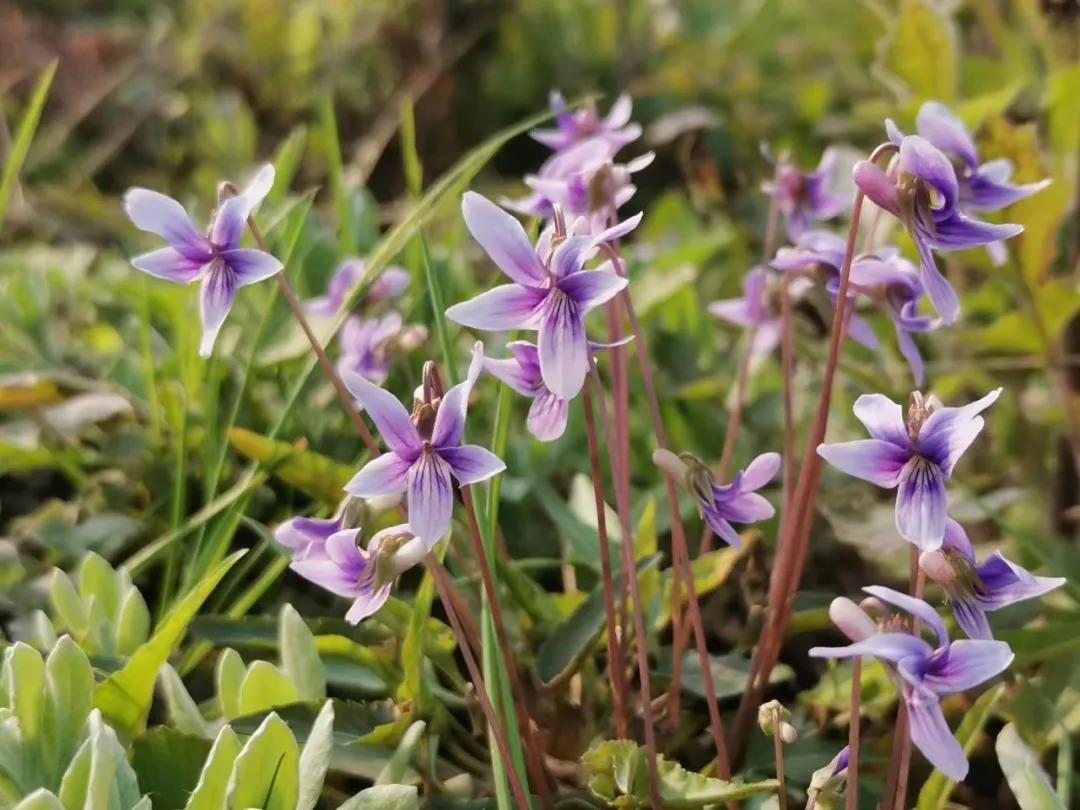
{"x": 425, "y": 454}
{"x": 827, "y": 785}
{"x": 364, "y": 575}
{"x": 521, "y": 371}
{"x": 391, "y": 283}
{"x": 365, "y": 346}
{"x": 921, "y": 190}
{"x": 925, "y": 673}
{"x": 975, "y": 589}
{"x": 982, "y": 186}
{"x": 915, "y": 456}
{"x": 805, "y": 198}
{"x": 723, "y": 504}
{"x": 753, "y": 311}
{"x": 306, "y": 536}
{"x": 214, "y": 259}
{"x": 575, "y": 126}
{"x": 551, "y": 293}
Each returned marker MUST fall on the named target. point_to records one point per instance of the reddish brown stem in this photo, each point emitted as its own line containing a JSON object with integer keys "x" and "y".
{"x": 615, "y": 664}
{"x": 629, "y": 567}
{"x": 787, "y": 362}
{"x": 442, "y": 580}
{"x": 533, "y": 754}
{"x": 903, "y": 761}
{"x": 328, "y": 368}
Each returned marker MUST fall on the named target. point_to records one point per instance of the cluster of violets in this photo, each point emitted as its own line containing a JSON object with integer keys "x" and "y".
{"x": 934, "y": 185}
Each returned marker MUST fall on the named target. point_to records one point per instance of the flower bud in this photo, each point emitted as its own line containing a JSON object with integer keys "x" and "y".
{"x": 669, "y": 463}
{"x": 773, "y": 720}
{"x": 936, "y": 566}
{"x": 851, "y": 619}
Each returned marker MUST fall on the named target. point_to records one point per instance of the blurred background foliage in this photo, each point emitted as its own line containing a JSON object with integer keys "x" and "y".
{"x": 116, "y": 439}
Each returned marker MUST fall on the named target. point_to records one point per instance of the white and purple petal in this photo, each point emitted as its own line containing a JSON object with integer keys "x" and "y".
{"x": 921, "y": 503}
{"x": 390, "y": 417}
{"x": 890, "y": 647}
{"x": 216, "y": 298}
{"x": 965, "y": 664}
{"x": 882, "y": 418}
{"x": 932, "y": 736}
{"x": 431, "y": 497}
{"x": 385, "y": 475}
{"x": 161, "y": 215}
{"x": 471, "y": 464}
{"x": 503, "y": 239}
{"x": 501, "y": 309}
{"x": 169, "y": 264}
{"x": 589, "y": 289}
{"x": 916, "y": 607}
{"x": 879, "y": 462}
{"x": 563, "y": 348}
{"x": 547, "y": 417}
{"x": 250, "y": 266}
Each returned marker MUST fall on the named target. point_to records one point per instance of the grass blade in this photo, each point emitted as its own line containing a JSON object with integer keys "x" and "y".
{"x": 24, "y": 137}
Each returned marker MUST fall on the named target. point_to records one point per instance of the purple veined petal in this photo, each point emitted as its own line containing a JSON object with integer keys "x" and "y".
{"x": 883, "y": 418}
{"x": 547, "y": 417}
{"x": 876, "y": 185}
{"x": 956, "y": 539}
{"x": 157, "y": 214}
{"x": 259, "y": 186}
{"x": 984, "y": 193}
{"x": 747, "y": 507}
{"x": 965, "y": 664}
{"x": 891, "y": 647}
{"x": 431, "y": 497}
{"x": 959, "y": 232}
{"x": 390, "y": 417}
{"x": 971, "y": 618}
{"x": 503, "y": 239}
{"x": 368, "y": 603}
{"x": 873, "y": 460}
{"x": 916, "y": 607}
{"x": 944, "y": 440}
{"x": 390, "y": 284}
{"x": 341, "y": 548}
{"x": 910, "y": 350}
{"x": 939, "y": 125}
{"x": 859, "y": 331}
{"x": 250, "y": 266}
{"x": 305, "y": 536}
{"x": 450, "y": 418}
{"x": 564, "y": 351}
{"x": 922, "y": 159}
{"x": 471, "y": 464}
{"x": 733, "y": 310}
{"x": 227, "y": 229}
{"x": 525, "y": 380}
{"x": 931, "y": 735}
{"x": 921, "y": 503}
{"x": 942, "y": 294}
{"x": 527, "y": 354}
{"x": 721, "y": 528}
{"x": 385, "y": 475}
{"x": 571, "y": 254}
{"x": 589, "y": 289}
{"x": 761, "y": 471}
{"x": 501, "y": 309}
{"x": 327, "y": 574}
{"x": 1006, "y": 583}
{"x": 169, "y": 264}
{"x": 341, "y": 283}
{"x": 215, "y": 300}
{"x": 619, "y": 114}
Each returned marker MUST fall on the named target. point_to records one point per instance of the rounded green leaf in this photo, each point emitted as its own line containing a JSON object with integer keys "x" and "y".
{"x": 213, "y": 785}
{"x": 266, "y": 773}
{"x": 300, "y": 657}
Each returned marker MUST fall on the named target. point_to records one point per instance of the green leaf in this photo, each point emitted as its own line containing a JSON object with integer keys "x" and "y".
{"x": 76, "y": 781}
{"x": 935, "y": 792}
{"x": 69, "y": 697}
{"x": 286, "y": 162}
{"x": 1027, "y": 779}
{"x": 126, "y": 696}
{"x": 300, "y": 657}
{"x": 66, "y": 604}
{"x": 228, "y": 676}
{"x": 384, "y": 797}
{"x": 182, "y": 711}
{"x": 402, "y": 758}
{"x": 266, "y": 773}
{"x": 24, "y": 136}
{"x": 920, "y": 51}
{"x": 168, "y": 764}
{"x": 315, "y": 758}
{"x": 265, "y": 687}
{"x": 310, "y": 472}
{"x": 561, "y": 654}
{"x": 213, "y": 784}
{"x": 133, "y": 623}
{"x": 618, "y": 774}
{"x": 730, "y": 673}
{"x": 40, "y": 799}
{"x": 25, "y": 677}
{"x": 105, "y": 756}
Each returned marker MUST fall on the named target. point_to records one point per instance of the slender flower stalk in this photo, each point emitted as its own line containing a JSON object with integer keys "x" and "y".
{"x": 442, "y": 585}
{"x": 629, "y": 566}
{"x": 614, "y": 644}
{"x": 854, "y": 726}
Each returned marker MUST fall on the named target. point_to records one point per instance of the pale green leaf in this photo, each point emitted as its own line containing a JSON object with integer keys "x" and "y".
{"x": 315, "y": 758}
{"x": 384, "y": 797}
{"x": 265, "y": 687}
{"x": 228, "y": 676}
{"x": 920, "y": 51}
{"x": 40, "y": 799}
{"x": 401, "y": 759}
{"x": 1027, "y": 779}
{"x": 299, "y": 656}
{"x": 183, "y": 712}
{"x": 213, "y": 786}
{"x": 266, "y": 773}
{"x": 69, "y": 697}
{"x": 24, "y": 136}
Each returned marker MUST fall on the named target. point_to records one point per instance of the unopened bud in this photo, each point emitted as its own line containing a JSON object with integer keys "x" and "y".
{"x": 773, "y": 717}
{"x": 670, "y": 463}
{"x": 851, "y": 619}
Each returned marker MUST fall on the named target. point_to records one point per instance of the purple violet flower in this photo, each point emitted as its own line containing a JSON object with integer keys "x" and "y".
{"x": 827, "y": 784}
{"x": 723, "y": 504}
{"x": 364, "y": 346}
{"x": 916, "y": 457}
{"x": 806, "y": 197}
{"x": 548, "y": 412}
{"x": 920, "y": 189}
{"x": 425, "y": 452}
{"x": 572, "y": 127}
{"x": 306, "y": 536}
{"x": 216, "y": 259}
{"x": 925, "y": 674}
{"x": 391, "y": 283}
{"x": 976, "y": 589}
{"x": 753, "y": 311}
{"x": 365, "y": 576}
{"x": 551, "y": 293}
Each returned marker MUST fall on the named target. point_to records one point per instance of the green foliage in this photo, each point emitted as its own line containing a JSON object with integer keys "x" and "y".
{"x": 1027, "y": 779}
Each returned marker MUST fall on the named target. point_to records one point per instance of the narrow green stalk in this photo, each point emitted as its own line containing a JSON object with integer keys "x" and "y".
{"x": 153, "y": 401}
{"x": 176, "y": 516}
{"x": 347, "y": 240}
